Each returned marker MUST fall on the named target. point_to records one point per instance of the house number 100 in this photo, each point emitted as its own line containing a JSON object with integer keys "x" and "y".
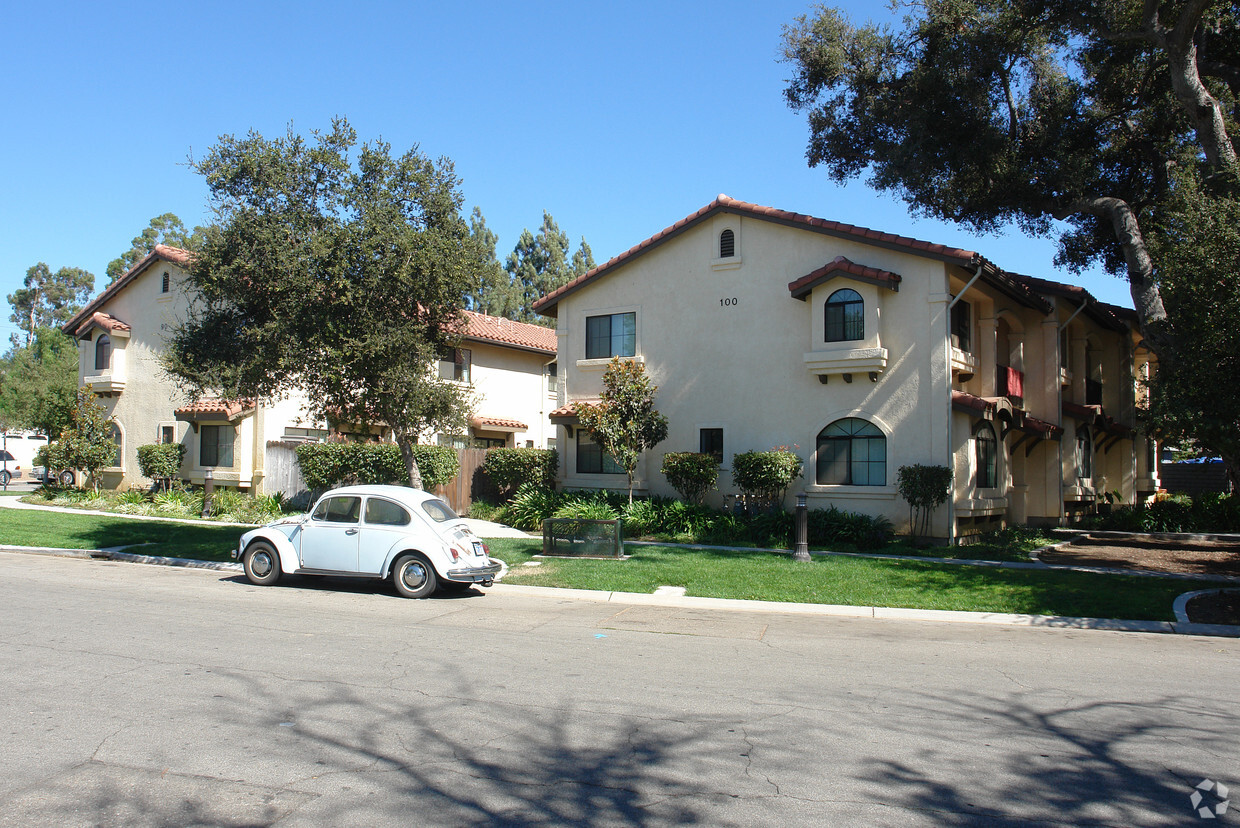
{"x": 726, "y": 302}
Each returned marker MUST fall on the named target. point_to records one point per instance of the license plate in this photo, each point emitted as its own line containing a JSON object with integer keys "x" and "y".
{"x": 479, "y": 549}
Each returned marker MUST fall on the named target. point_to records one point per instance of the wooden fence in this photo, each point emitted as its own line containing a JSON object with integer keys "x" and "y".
{"x": 469, "y": 482}
{"x": 283, "y": 475}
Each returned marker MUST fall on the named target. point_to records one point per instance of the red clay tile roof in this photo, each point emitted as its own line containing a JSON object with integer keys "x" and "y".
{"x": 566, "y": 412}
{"x": 214, "y": 409}
{"x": 954, "y": 255}
{"x": 1041, "y": 428}
{"x": 484, "y": 328}
{"x": 802, "y": 287}
{"x": 1102, "y": 313}
{"x": 161, "y": 253}
{"x": 498, "y": 423}
{"x": 102, "y": 320}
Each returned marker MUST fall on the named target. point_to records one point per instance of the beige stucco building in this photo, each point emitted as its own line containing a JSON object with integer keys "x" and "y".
{"x": 862, "y": 351}
{"x": 121, "y": 334}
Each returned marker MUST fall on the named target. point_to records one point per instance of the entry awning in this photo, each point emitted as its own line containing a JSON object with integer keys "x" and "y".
{"x": 497, "y": 424}
{"x": 215, "y": 411}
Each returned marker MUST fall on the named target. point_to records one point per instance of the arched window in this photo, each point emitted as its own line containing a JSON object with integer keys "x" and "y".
{"x": 103, "y": 353}
{"x": 845, "y": 318}
{"x": 1084, "y": 454}
{"x": 727, "y": 244}
{"x": 852, "y": 452}
{"x": 987, "y": 453}
{"x": 163, "y": 288}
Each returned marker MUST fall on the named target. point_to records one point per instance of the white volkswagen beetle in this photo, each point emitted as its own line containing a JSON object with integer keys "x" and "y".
{"x": 373, "y": 532}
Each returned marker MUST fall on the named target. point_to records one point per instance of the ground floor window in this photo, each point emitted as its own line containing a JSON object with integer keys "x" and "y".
{"x": 852, "y": 452}
{"x": 120, "y": 445}
{"x": 216, "y": 445}
{"x": 986, "y": 445}
{"x": 1084, "y": 454}
{"x": 591, "y": 459}
{"x": 710, "y": 441}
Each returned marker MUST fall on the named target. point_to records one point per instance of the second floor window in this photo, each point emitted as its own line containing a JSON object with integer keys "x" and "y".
{"x": 962, "y": 327}
{"x": 553, "y": 378}
{"x": 611, "y": 335}
{"x": 1084, "y": 454}
{"x": 103, "y": 353}
{"x": 455, "y": 364}
{"x": 845, "y": 316}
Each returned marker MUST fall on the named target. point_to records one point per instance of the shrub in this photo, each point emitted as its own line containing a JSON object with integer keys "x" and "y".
{"x": 772, "y": 530}
{"x": 586, "y": 510}
{"x": 531, "y": 506}
{"x": 160, "y": 461}
{"x": 691, "y": 474}
{"x": 327, "y": 465}
{"x": 640, "y": 518}
{"x": 832, "y": 526}
{"x": 766, "y": 474}
{"x": 510, "y": 468}
{"x": 480, "y": 509}
{"x": 923, "y": 488}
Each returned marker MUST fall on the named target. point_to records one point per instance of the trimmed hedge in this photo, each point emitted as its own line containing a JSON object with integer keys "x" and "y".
{"x": 691, "y": 474}
{"x": 766, "y": 474}
{"x": 327, "y": 465}
{"x": 159, "y": 461}
{"x": 511, "y": 468}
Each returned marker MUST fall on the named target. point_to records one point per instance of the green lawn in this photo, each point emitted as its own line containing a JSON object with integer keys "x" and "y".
{"x": 854, "y": 581}
{"x": 66, "y": 531}
{"x": 744, "y": 574}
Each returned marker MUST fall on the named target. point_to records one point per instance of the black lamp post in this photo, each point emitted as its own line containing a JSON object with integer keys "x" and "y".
{"x": 801, "y": 552}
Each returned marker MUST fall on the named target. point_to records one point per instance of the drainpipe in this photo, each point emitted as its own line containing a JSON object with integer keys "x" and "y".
{"x": 1067, "y": 321}
{"x": 951, "y": 450}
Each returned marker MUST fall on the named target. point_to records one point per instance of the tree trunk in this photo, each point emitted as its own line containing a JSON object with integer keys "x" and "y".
{"x": 411, "y": 463}
{"x": 1231, "y": 463}
{"x": 1201, "y": 107}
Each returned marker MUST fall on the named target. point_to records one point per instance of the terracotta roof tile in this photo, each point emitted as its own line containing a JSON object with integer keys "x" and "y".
{"x": 162, "y": 252}
{"x": 802, "y": 287}
{"x": 102, "y": 320}
{"x": 210, "y": 408}
{"x": 547, "y": 304}
{"x": 566, "y": 412}
{"x": 1109, "y": 316}
{"x": 485, "y": 328}
{"x": 498, "y": 423}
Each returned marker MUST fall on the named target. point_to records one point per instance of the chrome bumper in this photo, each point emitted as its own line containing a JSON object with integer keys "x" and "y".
{"x": 479, "y": 574}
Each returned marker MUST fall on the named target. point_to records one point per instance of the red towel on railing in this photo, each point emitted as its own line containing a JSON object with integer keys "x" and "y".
{"x": 1011, "y": 382}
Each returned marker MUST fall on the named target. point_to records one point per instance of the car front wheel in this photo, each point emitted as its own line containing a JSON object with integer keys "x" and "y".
{"x": 66, "y": 478}
{"x": 413, "y": 576}
{"x": 262, "y": 564}
{"x": 5, "y": 477}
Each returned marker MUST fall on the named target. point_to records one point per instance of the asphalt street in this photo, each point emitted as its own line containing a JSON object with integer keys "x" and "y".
{"x": 152, "y": 696}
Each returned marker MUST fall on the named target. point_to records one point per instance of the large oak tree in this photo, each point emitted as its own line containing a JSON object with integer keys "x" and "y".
{"x": 332, "y": 268}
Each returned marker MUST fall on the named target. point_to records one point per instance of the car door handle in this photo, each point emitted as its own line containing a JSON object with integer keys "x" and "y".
{"x": 350, "y": 531}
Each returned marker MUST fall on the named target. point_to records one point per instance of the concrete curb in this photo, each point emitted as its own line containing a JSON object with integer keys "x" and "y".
{"x": 840, "y": 610}
{"x": 1180, "y": 625}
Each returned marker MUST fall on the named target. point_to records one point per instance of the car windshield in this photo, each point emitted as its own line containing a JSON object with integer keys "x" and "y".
{"x": 438, "y": 510}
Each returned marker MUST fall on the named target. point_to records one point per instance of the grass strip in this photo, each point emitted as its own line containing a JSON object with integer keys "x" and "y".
{"x": 851, "y": 581}
{"x": 167, "y": 539}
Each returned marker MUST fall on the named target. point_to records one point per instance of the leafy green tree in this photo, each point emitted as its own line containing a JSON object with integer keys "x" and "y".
{"x": 87, "y": 442}
{"x": 1029, "y": 111}
{"x": 48, "y": 299}
{"x": 923, "y": 488}
{"x": 166, "y": 229}
{"x": 38, "y": 383}
{"x": 624, "y": 422}
{"x": 335, "y": 269}
{"x": 539, "y": 264}
{"x": 1193, "y": 401}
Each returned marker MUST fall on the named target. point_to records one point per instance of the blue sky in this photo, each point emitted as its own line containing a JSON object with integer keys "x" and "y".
{"x": 618, "y": 119}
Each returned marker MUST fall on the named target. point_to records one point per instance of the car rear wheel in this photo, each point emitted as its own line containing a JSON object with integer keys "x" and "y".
{"x": 5, "y": 477}
{"x": 414, "y": 577}
{"x": 66, "y": 478}
{"x": 262, "y": 564}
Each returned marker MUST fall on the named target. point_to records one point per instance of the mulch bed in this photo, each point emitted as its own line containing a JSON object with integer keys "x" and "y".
{"x": 1180, "y": 557}
{"x": 1214, "y": 608}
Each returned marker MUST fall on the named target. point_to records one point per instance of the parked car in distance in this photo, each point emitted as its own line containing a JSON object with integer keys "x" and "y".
{"x": 394, "y": 532}
{"x": 9, "y": 470}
